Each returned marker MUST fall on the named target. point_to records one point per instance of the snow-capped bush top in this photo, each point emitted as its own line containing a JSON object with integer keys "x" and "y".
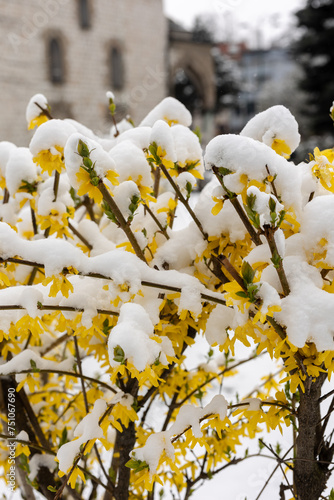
{"x": 276, "y": 127}
{"x": 34, "y": 110}
{"x": 50, "y": 135}
{"x": 171, "y": 111}
{"x": 20, "y": 167}
{"x": 246, "y": 156}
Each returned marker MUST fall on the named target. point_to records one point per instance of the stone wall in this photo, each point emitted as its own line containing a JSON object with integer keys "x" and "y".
{"x": 136, "y": 27}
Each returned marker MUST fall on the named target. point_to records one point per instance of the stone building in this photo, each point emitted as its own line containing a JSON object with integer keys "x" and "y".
{"x": 191, "y": 77}
{"x": 73, "y": 51}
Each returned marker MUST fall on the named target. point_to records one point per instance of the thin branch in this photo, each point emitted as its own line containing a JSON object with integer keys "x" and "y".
{"x": 79, "y": 235}
{"x": 238, "y": 208}
{"x": 269, "y": 233}
{"x": 77, "y": 353}
{"x": 183, "y": 200}
{"x": 156, "y": 220}
{"x": 271, "y": 475}
{"x": 45, "y": 111}
{"x": 122, "y": 222}
{"x": 35, "y": 446}
{"x": 69, "y": 374}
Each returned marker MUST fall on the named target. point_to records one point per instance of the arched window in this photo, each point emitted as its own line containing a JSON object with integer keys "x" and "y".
{"x": 56, "y": 62}
{"x": 84, "y": 14}
{"x": 116, "y": 69}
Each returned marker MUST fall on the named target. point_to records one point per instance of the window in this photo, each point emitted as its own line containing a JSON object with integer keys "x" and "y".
{"x": 56, "y": 61}
{"x": 84, "y": 14}
{"x": 116, "y": 69}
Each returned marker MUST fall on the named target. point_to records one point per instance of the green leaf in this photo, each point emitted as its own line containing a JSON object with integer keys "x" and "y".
{"x": 83, "y": 149}
{"x": 281, "y": 217}
{"x": 109, "y": 213}
{"x": 272, "y": 204}
{"x": 247, "y": 272}
{"x": 331, "y": 495}
{"x": 28, "y": 186}
{"x": 252, "y": 290}
{"x": 224, "y": 171}
{"x": 278, "y": 449}
{"x": 52, "y": 488}
{"x": 197, "y": 132}
{"x": 34, "y": 366}
{"x": 106, "y": 327}
{"x": 250, "y": 201}
{"x": 87, "y": 162}
{"x": 112, "y": 475}
{"x": 63, "y": 438}
{"x": 276, "y": 259}
{"x": 153, "y": 148}
{"x": 189, "y": 188}
{"x": 136, "y": 465}
{"x": 242, "y": 294}
{"x": 119, "y": 354}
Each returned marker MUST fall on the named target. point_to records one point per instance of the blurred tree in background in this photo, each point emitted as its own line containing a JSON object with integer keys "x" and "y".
{"x": 315, "y": 52}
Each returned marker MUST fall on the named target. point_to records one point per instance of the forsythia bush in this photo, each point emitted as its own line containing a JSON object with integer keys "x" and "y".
{"x": 101, "y": 298}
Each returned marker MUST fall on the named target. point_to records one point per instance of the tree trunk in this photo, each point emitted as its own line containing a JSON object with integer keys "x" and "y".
{"x": 310, "y": 475}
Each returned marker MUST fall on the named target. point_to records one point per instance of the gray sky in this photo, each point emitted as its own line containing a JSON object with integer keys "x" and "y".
{"x": 246, "y": 19}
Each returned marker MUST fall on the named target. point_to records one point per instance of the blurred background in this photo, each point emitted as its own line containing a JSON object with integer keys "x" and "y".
{"x": 224, "y": 59}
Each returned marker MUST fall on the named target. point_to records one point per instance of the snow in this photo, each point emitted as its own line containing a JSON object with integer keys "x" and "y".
{"x": 261, "y": 205}
{"x": 132, "y": 333}
{"x": 123, "y": 195}
{"x": 162, "y": 135}
{"x": 243, "y": 155}
{"x": 317, "y": 223}
{"x": 86, "y": 430}
{"x": 20, "y": 166}
{"x": 183, "y": 180}
{"x": 220, "y": 319}
{"x": 6, "y": 148}
{"x": 169, "y": 109}
{"x": 187, "y": 146}
{"x": 33, "y": 109}
{"x": 130, "y": 163}
{"x": 100, "y": 158}
{"x": 23, "y": 436}
{"x": 22, "y": 362}
{"x": 110, "y": 95}
{"x": 276, "y": 122}
{"x": 49, "y": 135}
{"x": 308, "y": 311}
{"x": 37, "y": 461}
{"x": 226, "y": 221}
{"x": 188, "y": 416}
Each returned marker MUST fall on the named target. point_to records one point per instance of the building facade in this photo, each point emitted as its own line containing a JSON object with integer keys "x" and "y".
{"x": 73, "y": 51}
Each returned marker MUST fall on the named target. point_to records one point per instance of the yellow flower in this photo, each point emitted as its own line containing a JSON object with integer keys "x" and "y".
{"x": 219, "y": 203}
{"x": 124, "y": 413}
{"x": 262, "y": 316}
{"x": 323, "y": 169}
{"x": 50, "y": 162}
{"x": 112, "y": 177}
{"x": 4, "y": 281}
{"x": 86, "y": 187}
{"x": 59, "y": 284}
{"x": 73, "y": 477}
{"x": 58, "y": 223}
{"x": 162, "y": 153}
{"x": 21, "y": 448}
{"x": 231, "y": 297}
{"x": 37, "y": 121}
{"x": 170, "y": 122}
{"x": 281, "y": 148}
